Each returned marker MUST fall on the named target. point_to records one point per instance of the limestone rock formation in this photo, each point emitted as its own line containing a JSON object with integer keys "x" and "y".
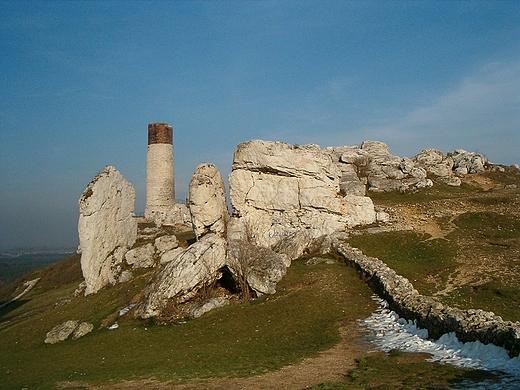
{"x": 107, "y": 227}
{"x": 207, "y": 201}
{"x": 279, "y": 189}
{"x": 182, "y": 277}
{"x": 387, "y": 172}
{"x": 371, "y": 166}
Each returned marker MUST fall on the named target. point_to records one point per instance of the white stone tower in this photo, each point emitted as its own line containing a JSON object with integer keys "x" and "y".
{"x": 160, "y": 191}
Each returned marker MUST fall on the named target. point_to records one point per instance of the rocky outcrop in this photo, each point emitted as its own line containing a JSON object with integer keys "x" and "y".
{"x": 278, "y": 189}
{"x": 371, "y": 166}
{"x": 183, "y": 276}
{"x": 63, "y": 331}
{"x": 285, "y": 200}
{"x": 207, "y": 201}
{"x": 107, "y": 228}
{"x": 438, "y": 319}
{"x": 435, "y": 162}
{"x": 467, "y": 162}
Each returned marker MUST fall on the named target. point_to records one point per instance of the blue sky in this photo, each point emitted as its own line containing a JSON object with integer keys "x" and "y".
{"x": 80, "y": 81}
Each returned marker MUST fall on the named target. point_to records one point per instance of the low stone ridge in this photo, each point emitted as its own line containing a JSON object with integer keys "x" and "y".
{"x": 107, "y": 228}
{"x": 438, "y": 319}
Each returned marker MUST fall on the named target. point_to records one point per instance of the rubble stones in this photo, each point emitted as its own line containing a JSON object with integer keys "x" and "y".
{"x": 467, "y": 162}
{"x": 166, "y": 243}
{"x": 63, "y": 331}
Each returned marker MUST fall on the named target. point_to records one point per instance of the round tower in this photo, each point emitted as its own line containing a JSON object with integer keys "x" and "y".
{"x": 160, "y": 191}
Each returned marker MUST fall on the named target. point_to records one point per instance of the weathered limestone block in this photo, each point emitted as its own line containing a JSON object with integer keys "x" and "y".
{"x": 260, "y": 267}
{"x": 125, "y": 276}
{"x": 453, "y": 181}
{"x": 349, "y": 183}
{"x": 107, "y": 227}
{"x": 272, "y": 192}
{"x": 166, "y": 243}
{"x": 207, "y": 201}
{"x": 141, "y": 257}
{"x": 181, "y": 278}
{"x": 61, "y": 332}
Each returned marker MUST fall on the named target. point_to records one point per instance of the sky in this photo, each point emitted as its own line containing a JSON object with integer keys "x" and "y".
{"x": 81, "y": 80}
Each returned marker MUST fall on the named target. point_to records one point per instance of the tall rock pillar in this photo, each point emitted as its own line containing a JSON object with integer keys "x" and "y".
{"x": 160, "y": 192}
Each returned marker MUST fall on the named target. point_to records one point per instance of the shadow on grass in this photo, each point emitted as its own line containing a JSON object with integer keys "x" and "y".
{"x": 9, "y": 307}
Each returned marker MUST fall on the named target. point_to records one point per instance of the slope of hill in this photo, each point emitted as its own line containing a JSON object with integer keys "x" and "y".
{"x": 460, "y": 245}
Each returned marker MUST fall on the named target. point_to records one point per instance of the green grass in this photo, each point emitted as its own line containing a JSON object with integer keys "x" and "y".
{"x": 412, "y": 255}
{"x": 238, "y": 340}
{"x": 437, "y": 192}
{"x": 489, "y": 224}
{"x": 399, "y": 371}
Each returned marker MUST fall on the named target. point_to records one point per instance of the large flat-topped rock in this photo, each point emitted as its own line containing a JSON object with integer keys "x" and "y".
{"x": 280, "y": 189}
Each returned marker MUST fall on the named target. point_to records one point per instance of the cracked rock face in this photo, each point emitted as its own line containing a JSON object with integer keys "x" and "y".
{"x": 279, "y": 189}
{"x": 107, "y": 228}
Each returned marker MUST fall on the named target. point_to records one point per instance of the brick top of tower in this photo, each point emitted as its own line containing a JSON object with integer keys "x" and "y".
{"x": 160, "y": 133}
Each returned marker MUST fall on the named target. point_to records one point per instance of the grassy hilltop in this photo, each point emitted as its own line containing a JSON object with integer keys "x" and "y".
{"x": 460, "y": 245}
